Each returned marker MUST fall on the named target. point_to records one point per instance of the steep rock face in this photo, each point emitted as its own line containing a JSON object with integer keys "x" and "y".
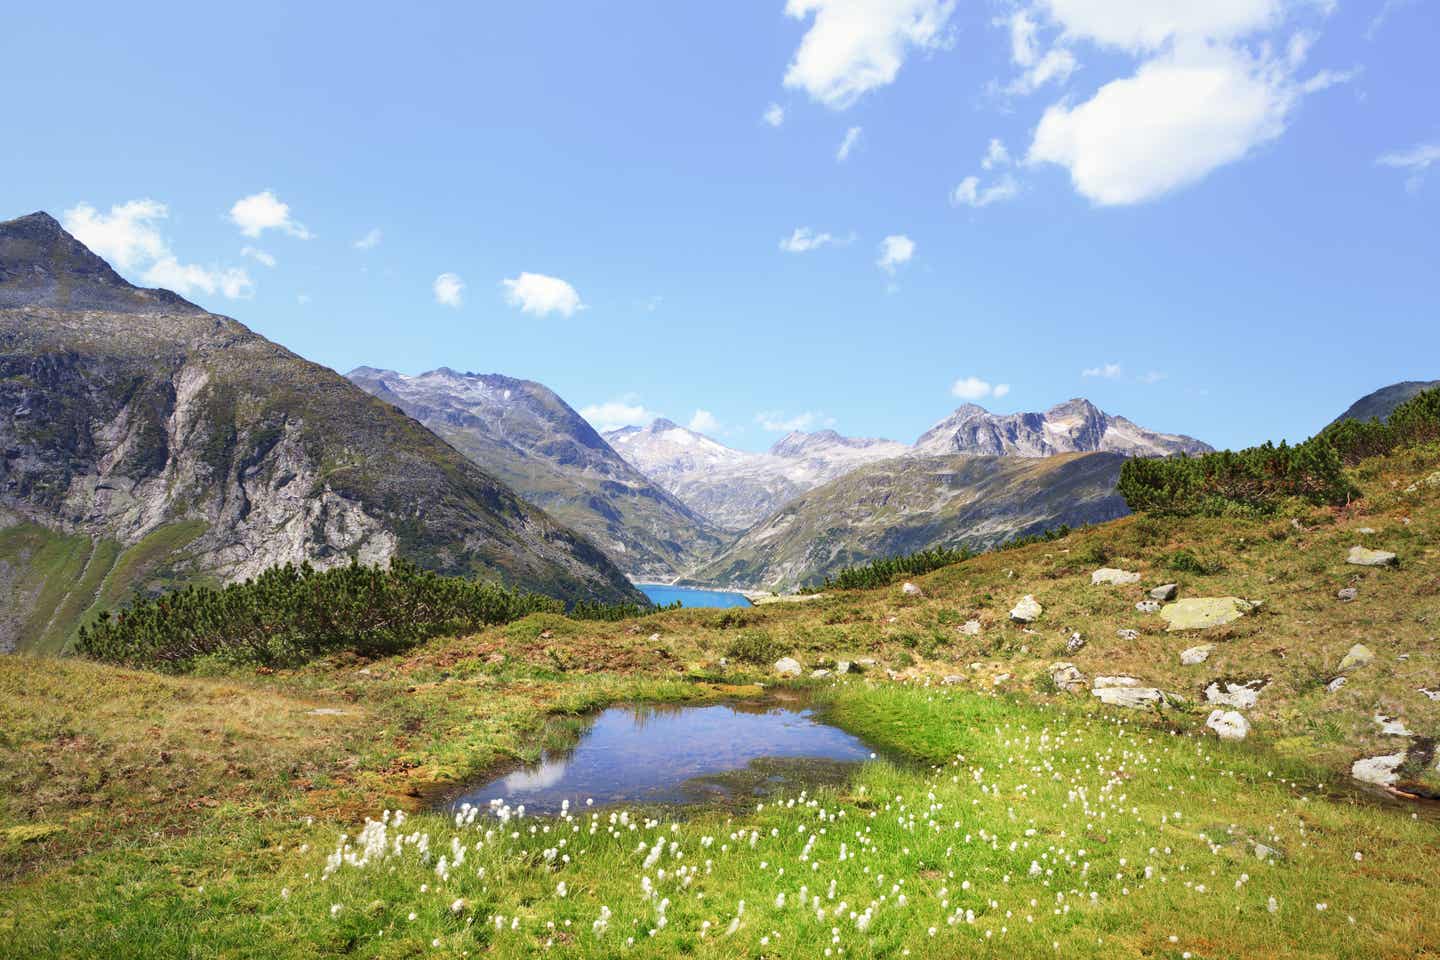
{"x": 906, "y": 504}
{"x": 1382, "y": 402}
{"x": 735, "y": 488}
{"x": 528, "y": 437}
{"x": 1077, "y": 426}
{"x": 179, "y": 446}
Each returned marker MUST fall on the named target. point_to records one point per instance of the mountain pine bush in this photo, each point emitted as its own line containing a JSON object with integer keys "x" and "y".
{"x": 1258, "y": 480}
{"x": 291, "y": 614}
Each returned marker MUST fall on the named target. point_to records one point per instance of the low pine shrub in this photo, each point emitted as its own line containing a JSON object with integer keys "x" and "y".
{"x": 755, "y": 646}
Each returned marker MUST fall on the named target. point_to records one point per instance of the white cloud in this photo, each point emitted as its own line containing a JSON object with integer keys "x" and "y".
{"x": 974, "y": 388}
{"x": 233, "y": 283}
{"x": 126, "y": 236}
{"x": 626, "y": 411}
{"x": 541, "y": 295}
{"x": 969, "y": 193}
{"x": 302, "y": 298}
{"x": 1181, "y": 115}
{"x": 1153, "y": 376}
{"x": 774, "y": 115}
{"x": 370, "y": 241}
{"x": 1416, "y": 161}
{"x": 894, "y": 251}
{"x": 1147, "y": 26}
{"x": 777, "y": 421}
{"x": 263, "y": 211}
{"x": 1056, "y": 64}
{"x": 258, "y": 255}
{"x": 855, "y": 46}
{"x": 1109, "y": 371}
{"x": 449, "y": 290}
{"x": 704, "y": 422}
{"x": 852, "y": 136}
{"x": 995, "y": 155}
{"x": 803, "y": 240}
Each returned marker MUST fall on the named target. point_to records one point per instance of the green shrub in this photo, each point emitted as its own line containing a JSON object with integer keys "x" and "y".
{"x": 1184, "y": 561}
{"x": 1260, "y": 480}
{"x": 755, "y": 646}
{"x": 291, "y": 614}
{"x": 885, "y": 571}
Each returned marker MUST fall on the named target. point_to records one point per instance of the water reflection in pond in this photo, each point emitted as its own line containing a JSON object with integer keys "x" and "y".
{"x": 664, "y": 754}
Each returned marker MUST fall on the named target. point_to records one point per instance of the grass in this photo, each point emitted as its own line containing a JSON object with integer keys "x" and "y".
{"x": 143, "y": 815}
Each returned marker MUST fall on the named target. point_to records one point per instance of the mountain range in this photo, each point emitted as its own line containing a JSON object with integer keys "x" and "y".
{"x": 525, "y": 435}
{"x": 1382, "y": 402}
{"x": 737, "y": 489}
{"x": 148, "y": 443}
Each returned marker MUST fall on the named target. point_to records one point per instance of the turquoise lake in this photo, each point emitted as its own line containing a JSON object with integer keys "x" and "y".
{"x": 692, "y": 596}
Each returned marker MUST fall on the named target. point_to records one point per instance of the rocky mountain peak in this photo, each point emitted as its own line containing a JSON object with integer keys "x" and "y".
{"x": 42, "y": 265}
{"x": 660, "y": 425}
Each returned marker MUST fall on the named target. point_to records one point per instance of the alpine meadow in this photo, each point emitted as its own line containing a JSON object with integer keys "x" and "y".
{"x": 803, "y": 480}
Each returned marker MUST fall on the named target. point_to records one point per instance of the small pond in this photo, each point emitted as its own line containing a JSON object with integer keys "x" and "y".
{"x": 720, "y": 753}
{"x": 662, "y": 595}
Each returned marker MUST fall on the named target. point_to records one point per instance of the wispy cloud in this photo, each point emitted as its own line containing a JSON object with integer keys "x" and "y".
{"x": 1107, "y": 371}
{"x": 449, "y": 290}
{"x": 895, "y": 251}
{"x": 804, "y": 239}
{"x": 777, "y": 421}
{"x": 624, "y": 411}
{"x": 258, "y": 255}
{"x": 1415, "y": 161}
{"x": 774, "y": 115}
{"x": 854, "y": 47}
{"x": 852, "y": 137}
{"x": 974, "y": 388}
{"x": 370, "y": 241}
{"x": 704, "y": 422}
{"x": 264, "y": 211}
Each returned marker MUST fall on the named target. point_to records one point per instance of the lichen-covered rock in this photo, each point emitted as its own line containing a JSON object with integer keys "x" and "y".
{"x": 1235, "y": 693}
{"x": 910, "y": 590}
{"x": 1125, "y": 633}
{"x": 1165, "y": 592}
{"x": 1392, "y": 726}
{"x": 1201, "y": 613}
{"x": 1381, "y": 771}
{"x": 1116, "y": 681}
{"x": 1193, "y": 656}
{"x": 1365, "y": 557}
{"x": 1228, "y": 724}
{"x": 1148, "y": 606}
{"x": 1113, "y": 576}
{"x": 1067, "y": 677}
{"x": 788, "y": 667}
{"x": 1028, "y": 610}
{"x": 1358, "y": 656}
{"x": 1075, "y": 643}
{"x": 1347, "y": 594}
{"x": 970, "y": 628}
{"x": 1135, "y": 697}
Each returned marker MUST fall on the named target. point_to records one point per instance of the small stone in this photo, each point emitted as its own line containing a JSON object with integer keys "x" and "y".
{"x": 819, "y": 674}
{"x": 1165, "y": 592}
{"x": 1125, "y": 633}
{"x": 971, "y": 628}
{"x": 1201, "y": 613}
{"x": 1363, "y": 557}
{"x": 1432, "y": 694}
{"x": 1381, "y": 770}
{"x": 1347, "y": 594}
{"x": 1358, "y": 656}
{"x": 327, "y": 712}
{"x": 1228, "y": 724}
{"x": 654, "y": 638}
{"x": 1431, "y": 481}
{"x": 998, "y": 679}
{"x": 1235, "y": 693}
{"x": 1114, "y": 577}
{"x": 952, "y": 678}
{"x": 844, "y": 666}
{"x": 1392, "y": 726}
{"x": 1148, "y": 606}
{"x": 1067, "y": 677}
{"x": 1118, "y": 681}
{"x": 1134, "y": 697}
{"x": 1336, "y": 684}
{"x": 788, "y": 667}
{"x": 1193, "y": 656}
{"x": 910, "y": 590}
{"x": 1028, "y": 610}
{"x": 1075, "y": 644}
{"x": 866, "y": 662}
{"x": 1366, "y": 531}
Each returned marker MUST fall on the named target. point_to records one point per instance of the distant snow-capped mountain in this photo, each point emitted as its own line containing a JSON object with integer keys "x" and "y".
{"x": 735, "y": 489}
{"x": 1077, "y": 426}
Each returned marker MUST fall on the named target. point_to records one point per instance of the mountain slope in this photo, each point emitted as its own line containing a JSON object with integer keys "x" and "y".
{"x": 735, "y": 488}
{"x": 912, "y": 503}
{"x": 1382, "y": 402}
{"x": 147, "y": 443}
{"x": 1077, "y": 426}
{"x": 528, "y": 437}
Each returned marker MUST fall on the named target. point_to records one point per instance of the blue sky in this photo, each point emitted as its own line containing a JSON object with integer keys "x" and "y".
{"x": 1218, "y": 218}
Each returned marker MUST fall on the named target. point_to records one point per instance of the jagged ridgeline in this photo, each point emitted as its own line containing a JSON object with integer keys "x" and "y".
{"x": 1261, "y": 480}
{"x": 149, "y": 444}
